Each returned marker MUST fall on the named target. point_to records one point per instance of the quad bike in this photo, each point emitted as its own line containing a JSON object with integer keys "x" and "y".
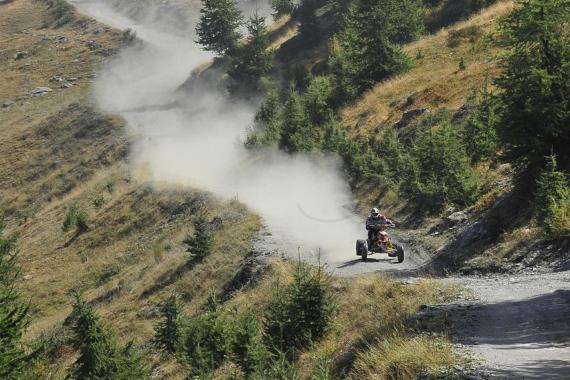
{"x": 380, "y": 242}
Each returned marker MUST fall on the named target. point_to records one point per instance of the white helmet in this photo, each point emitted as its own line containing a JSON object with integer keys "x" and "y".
{"x": 375, "y": 212}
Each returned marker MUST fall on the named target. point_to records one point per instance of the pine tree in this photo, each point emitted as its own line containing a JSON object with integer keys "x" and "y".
{"x": 553, "y": 199}
{"x": 297, "y": 132}
{"x": 438, "y": 171}
{"x": 282, "y": 7}
{"x": 301, "y": 313}
{"x": 97, "y": 351}
{"x": 167, "y": 331}
{"x": 536, "y": 90}
{"x": 248, "y": 350}
{"x": 253, "y": 60}
{"x": 13, "y": 312}
{"x": 201, "y": 243}
{"x": 218, "y": 27}
{"x": 99, "y": 358}
{"x": 480, "y": 126}
{"x": 367, "y": 48}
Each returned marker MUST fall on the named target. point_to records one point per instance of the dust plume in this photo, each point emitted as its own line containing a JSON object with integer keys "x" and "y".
{"x": 193, "y": 137}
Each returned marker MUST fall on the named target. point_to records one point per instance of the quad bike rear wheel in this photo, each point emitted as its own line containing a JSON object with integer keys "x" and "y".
{"x": 400, "y": 253}
{"x": 362, "y": 249}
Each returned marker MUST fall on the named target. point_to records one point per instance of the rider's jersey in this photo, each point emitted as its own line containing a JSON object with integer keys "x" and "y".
{"x": 372, "y": 222}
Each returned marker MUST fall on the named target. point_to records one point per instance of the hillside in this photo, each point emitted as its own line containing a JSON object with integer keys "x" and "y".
{"x": 127, "y": 185}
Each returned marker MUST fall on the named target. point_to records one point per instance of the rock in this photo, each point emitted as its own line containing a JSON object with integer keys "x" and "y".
{"x": 39, "y": 91}
{"x": 72, "y": 79}
{"x": 92, "y": 45}
{"x": 27, "y": 277}
{"x": 8, "y": 104}
{"x": 20, "y": 55}
{"x": 457, "y": 217}
{"x": 67, "y": 85}
{"x": 409, "y": 115}
{"x": 462, "y": 111}
{"x": 56, "y": 78}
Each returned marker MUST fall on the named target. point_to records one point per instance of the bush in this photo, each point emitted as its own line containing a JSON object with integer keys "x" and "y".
{"x": 99, "y": 357}
{"x": 13, "y": 313}
{"x": 253, "y": 60}
{"x": 200, "y": 244}
{"x": 76, "y": 217}
{"x": 208, "y": 341}
{"x": 553, "y": 200}
{"x": 301, "y": 313}
{"x": 218, "y": 29}
{"x": 438, "y": 171}
{"x": 247, "y": 348}
{"x": 167, "y": 331}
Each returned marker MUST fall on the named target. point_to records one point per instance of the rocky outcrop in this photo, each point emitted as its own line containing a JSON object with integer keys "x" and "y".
{"x": 409, "y": 115}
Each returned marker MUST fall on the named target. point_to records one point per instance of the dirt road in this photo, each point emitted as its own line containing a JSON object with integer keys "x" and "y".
{"x": 519, "y": 326}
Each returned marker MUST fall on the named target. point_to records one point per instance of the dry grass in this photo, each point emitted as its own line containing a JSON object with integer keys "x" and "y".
{"x": 435, "y": 79}
{"x": 399, "y": 357}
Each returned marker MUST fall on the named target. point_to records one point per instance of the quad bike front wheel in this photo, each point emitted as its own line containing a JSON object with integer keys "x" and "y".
{"x": 362, "y": 249}
{"x": 400, "y": 253}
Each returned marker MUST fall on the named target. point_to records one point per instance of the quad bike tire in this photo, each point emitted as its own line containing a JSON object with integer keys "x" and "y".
{"x": 400, "y": 253}
{"x": 362, "y": 249}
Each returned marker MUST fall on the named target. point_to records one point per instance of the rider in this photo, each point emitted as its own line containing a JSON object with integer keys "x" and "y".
{"x": 376, "y": 222}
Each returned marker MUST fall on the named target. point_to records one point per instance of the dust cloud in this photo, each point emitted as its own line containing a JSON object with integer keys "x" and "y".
{"x": 193, "y": 137}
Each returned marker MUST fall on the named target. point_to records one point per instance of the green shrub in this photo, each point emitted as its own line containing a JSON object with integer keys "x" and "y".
{"x": 218, "y": 29}
{"x": 167, "y": 331}
{"x": 301, "y": 313}
{"x": 200, "y": 244}
{"x": 253, "y": 59}
{"x": 437, "y": 171}
{"x": 247, "y": 348}
{"x": 13, "y": 312}
{"x": 208, "y": 341}
{"x": 99, "y": 356}
{"x": 281, "y": 369}
{"x": 98, "y": 201}
{"x": 76, "y": 217}
{"x": 553, "y": 200}
{"x": 462, "y": 65}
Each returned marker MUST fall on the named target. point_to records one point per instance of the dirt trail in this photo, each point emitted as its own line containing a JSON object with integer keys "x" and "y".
{"x": 519, "y": 326}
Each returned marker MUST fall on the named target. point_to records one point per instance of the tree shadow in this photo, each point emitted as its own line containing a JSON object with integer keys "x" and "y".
{"x": 537, "y": 369}
{"x": 169, "y": 278}
{"x": 532, "y": 323}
